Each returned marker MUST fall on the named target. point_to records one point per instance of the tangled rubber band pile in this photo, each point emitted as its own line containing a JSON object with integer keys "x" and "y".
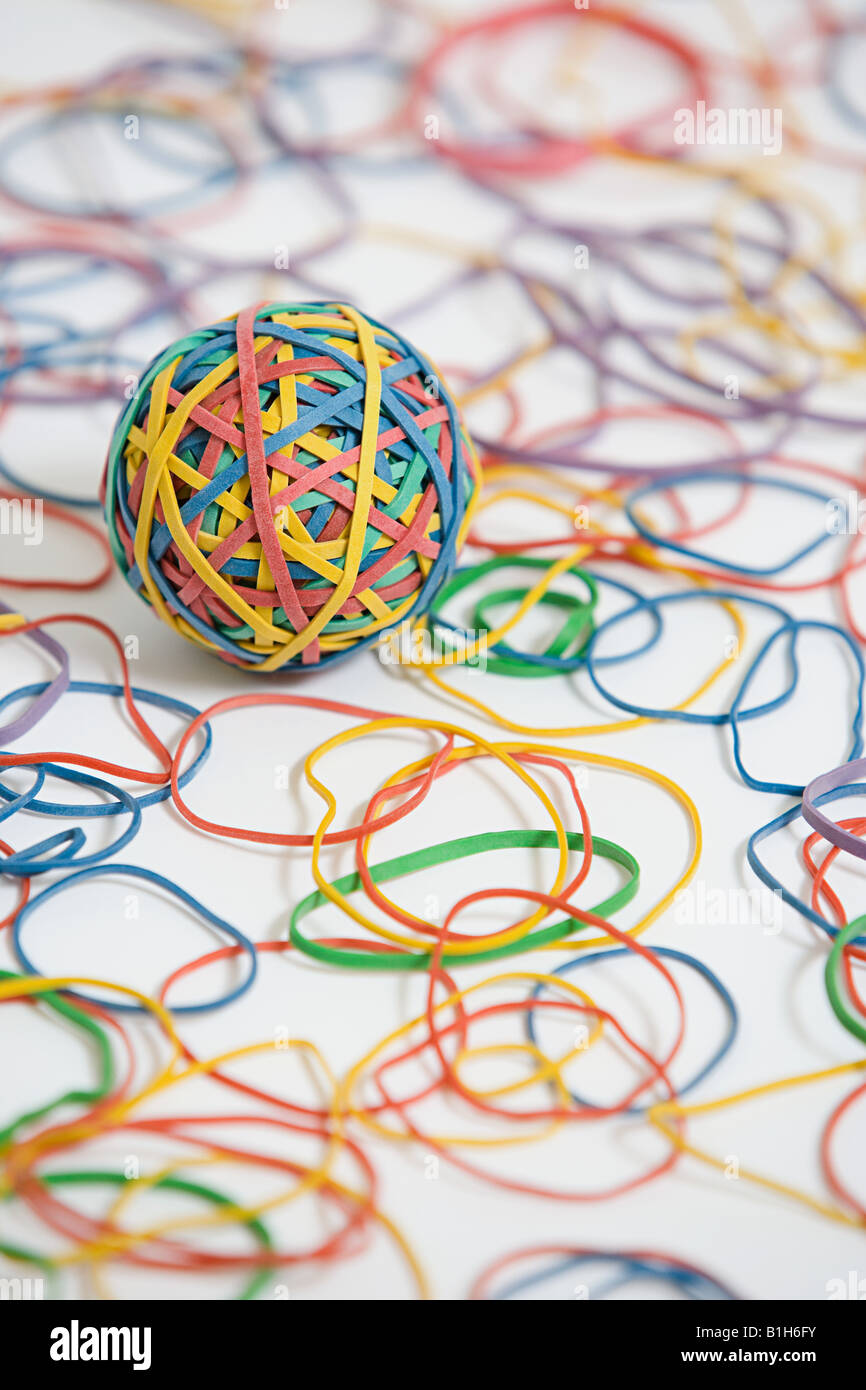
{"x": 360, "y": 549}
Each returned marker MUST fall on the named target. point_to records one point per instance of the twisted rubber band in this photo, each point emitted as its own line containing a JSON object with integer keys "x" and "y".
{"x": 36, "y": 859}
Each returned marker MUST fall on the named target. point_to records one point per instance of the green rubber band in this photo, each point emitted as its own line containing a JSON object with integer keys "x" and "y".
{"x": 503, "y": 659}
{"x": 172, "y": 1184}
{"x": 580, "y": 621}
{"x": 88, "y": 1025}
{"x": 22, "y": 1256}
{"x": 447, "y": 852}
{"x": 833, "y": 981}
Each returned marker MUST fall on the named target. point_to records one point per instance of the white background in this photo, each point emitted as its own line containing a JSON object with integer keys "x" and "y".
{"x": 761, "y": 1244}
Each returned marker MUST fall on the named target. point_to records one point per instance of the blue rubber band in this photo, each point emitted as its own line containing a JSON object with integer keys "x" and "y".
{"x": 796, "y": 626}
{"x": 147, "y": 876}
{"x": 692, "y": 1283}
{"x": 147, "y": 697}
{"x": 714, "y": 476}
{"x": 23, "y": 864}
{"x": 652, "y": 604}
{"x": 769, "y": 879}
{"x": 721, "y": 990}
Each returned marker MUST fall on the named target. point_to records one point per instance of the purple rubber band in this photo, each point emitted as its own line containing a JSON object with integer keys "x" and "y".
{"x": 39, "y": 707}
{"x": 828, "y": 782}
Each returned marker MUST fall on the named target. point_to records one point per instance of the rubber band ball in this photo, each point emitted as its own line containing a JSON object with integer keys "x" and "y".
{"x": 288, "y": 484}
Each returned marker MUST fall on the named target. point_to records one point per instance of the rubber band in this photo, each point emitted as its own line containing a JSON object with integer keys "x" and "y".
{"x": 660, "y": 1115}
{"x": 75, "y": 1096}
{"x": 97, "y": 764}
{"x": 10, "y": 621}
{"x": 730, "y": 568}
{"x": 635, "y": 1264}
{"x": 78, "y": 523}
{"x": 584, "y": 730}
{"x": 37, "y": 859}
{"x": 769, "y": 879}
{"x": 503, "y": 659}
{"x": 554, "y": 1069}
{"x": 499, "y": 753}
{"x": 833, "y": 1181}
{"x": 847, "y": 935}
{"x": 542, "y": 154}
{"x": 229, "y": 952}
{"x": 158, "y": 881}
{"x": 442, "y": 764}
{"x": 443, "y": 1146}
{"x": 446, "y": 853}
{"x": 204, "y": 719}
{"x": 23, "y": 885}
{"x": 145, "y": 799}
{"x": 756, "y": 288}
{"x": 795, "y": 628}
{"x": 169, "y": 1183}
{"x": 167, "y": 1078}
{"x": 679, "y": 712}
{"x": 825, "y": 787}
{"x": 696, "y": 965}
{"x": 107, "y": 95}
{"x": 540, "y": 753}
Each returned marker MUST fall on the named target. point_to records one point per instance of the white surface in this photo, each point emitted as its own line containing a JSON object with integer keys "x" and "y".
{"x": 761, "y": 1244}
